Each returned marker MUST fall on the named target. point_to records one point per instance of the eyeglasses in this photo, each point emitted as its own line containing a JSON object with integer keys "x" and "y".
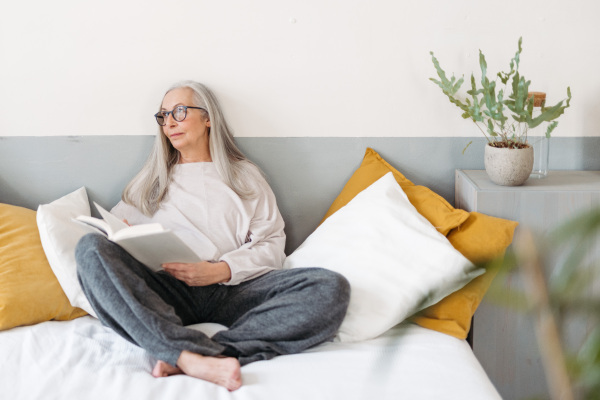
{"x": 179, "y": 113}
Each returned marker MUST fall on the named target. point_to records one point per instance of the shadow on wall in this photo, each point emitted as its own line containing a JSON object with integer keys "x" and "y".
{"x": 9, "y": 194}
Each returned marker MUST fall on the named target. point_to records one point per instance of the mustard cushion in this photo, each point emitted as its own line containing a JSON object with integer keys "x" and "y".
{"x": 480, "y": 238}
{"x": 429, "y": 204}
{"x": 29, "y": 291}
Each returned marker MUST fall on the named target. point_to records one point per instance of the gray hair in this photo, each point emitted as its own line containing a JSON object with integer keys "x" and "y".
{"x": 149, "y": 188}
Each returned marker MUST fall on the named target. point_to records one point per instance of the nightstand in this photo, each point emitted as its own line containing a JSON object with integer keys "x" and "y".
{"x": 504, "y": 339}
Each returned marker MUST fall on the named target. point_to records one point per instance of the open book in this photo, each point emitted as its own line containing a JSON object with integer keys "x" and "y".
{"x": 150, "y": 244}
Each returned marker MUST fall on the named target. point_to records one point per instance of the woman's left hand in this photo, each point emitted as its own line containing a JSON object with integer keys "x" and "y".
{"x": 203, "y": 273}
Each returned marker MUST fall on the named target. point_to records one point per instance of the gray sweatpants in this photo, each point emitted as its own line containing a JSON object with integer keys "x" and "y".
{"x": 281, "y": 312}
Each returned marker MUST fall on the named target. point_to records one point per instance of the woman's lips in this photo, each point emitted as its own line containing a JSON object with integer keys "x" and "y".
{"x": 174, "y": 135}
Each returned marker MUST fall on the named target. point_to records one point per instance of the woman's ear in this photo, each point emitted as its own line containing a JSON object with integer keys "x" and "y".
{"x": 208, "y": 123}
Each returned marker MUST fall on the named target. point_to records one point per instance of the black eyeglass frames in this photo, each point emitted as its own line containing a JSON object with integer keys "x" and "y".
{"x": 179, "y": 113}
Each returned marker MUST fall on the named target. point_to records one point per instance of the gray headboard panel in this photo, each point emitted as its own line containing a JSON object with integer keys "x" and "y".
{"x": 306, "y": 174}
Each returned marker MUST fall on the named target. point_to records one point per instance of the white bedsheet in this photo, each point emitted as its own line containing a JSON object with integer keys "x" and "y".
{"x": 81, "y": 359}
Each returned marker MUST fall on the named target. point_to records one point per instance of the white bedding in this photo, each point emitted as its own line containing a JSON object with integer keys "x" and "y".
{"x": 81, "y": 359}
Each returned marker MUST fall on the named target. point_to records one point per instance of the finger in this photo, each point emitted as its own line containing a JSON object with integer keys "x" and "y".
{"x": 177, "y": 265}
{"x": 172, "y": 270}
{"x": 176, "y": 275}
{"x": 174, "y": 267}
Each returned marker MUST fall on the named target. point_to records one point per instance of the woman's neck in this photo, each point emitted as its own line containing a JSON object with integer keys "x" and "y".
{"x": 197, "y": 155}
{"x": 193, "y": 159}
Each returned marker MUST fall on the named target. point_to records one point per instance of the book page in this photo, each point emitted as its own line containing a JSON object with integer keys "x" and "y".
{"x": 114, "y": 223}
{"x": 93, "y": 224}
{"x": 137, "y": 231}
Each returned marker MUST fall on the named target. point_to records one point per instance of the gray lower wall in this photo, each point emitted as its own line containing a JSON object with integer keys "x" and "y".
{"x": 306, "y": 173}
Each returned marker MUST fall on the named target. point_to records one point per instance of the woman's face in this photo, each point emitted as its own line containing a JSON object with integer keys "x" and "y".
{"x": 191, "y": 134}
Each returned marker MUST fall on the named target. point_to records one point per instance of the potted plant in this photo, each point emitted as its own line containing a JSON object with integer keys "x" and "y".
{"x": 556, "y": 297}
{"x": 503, "y": 116}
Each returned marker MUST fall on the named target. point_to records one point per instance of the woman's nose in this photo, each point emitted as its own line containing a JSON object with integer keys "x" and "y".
{"x": 169, "y": 120}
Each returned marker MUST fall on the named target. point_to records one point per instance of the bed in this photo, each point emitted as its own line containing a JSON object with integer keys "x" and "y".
{"x": 417, "y": 356}
{"x": 81, "y": 359}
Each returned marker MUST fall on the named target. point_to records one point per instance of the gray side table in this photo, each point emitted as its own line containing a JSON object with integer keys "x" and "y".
{"x": 504, "y": 339}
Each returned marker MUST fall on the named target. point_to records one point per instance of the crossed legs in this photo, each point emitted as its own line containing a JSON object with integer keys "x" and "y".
{"x": 282, "y": 312}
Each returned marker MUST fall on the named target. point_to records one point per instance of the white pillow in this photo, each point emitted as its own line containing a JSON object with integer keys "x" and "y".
{"x": 397, "y": 263}
{"x": 59, "y": 235}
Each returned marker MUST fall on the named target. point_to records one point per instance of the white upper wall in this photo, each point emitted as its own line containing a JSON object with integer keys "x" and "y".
{"x": 285, "y": 68}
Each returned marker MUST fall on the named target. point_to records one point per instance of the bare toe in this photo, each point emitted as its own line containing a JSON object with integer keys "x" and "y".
{"x": 224, "y": 372}
{"x": 163, "y": 369}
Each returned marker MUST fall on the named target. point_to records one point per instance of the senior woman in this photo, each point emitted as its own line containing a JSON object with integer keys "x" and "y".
{"x": 198, "y": 183}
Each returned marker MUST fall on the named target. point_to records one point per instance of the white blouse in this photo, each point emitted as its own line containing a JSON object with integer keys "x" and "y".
{"x": 217, "y": 224}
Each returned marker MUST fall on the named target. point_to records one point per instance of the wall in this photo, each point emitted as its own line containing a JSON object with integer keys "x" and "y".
{"x": 306, "y": 173}
{"x": 323, "y": 68}
{"x": 350, "y": 73}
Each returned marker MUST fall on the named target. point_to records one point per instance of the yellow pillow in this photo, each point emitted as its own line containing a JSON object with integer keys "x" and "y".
{"x": 480, "y": 238}
{"x": 429, "y": 204}
{"x": 29, "y": 291}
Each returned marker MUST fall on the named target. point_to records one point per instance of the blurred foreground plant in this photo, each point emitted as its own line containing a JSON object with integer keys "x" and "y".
{"x": 570, "y": 289}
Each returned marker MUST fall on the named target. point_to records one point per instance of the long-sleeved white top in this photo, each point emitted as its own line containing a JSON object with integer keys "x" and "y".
{"x": 217, "y": 224}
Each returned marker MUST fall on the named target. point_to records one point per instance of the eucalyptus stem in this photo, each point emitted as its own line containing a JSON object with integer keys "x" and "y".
{"x": 482, "y": 131}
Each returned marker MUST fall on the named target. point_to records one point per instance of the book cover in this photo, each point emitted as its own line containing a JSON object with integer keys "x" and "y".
{"x": 150, "y": 244}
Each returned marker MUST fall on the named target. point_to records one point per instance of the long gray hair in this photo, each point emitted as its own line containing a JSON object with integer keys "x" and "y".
{"x": 149, "y": 188}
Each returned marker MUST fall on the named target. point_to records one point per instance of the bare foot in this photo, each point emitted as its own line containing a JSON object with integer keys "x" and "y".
{"x": 222, "y": 371}
{"x": 162, "y": 369}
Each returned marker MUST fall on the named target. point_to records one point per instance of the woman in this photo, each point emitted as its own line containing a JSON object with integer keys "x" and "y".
{"x": 197, "y": 183}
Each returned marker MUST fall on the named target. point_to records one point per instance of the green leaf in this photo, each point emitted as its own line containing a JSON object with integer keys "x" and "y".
{"x": 569, "y": 282}
{"x": 551, "y": 127}
{"x": 457, "y": 85}
{"x": 576, "y": 236}
{"x": 504, "y": 77}
{"x": 514, "y": 65}
{"x": 467, "y": 146}
{"x": 547, "y": 115}
{"x": 530, "y": 102}
{"x": 449, "y": 86}
{"x": 490, "y": 128}
{"x": 503, "y": 119}
{"x": 483, "y": 65}
{"x": 518, "y": 54}
{"x": 474, "y": 108}
{"x": 589, "y": 352}
{"x": 521, "y": 96}
{"x": 581, "y": 227}
{"x": 474, "y": 92}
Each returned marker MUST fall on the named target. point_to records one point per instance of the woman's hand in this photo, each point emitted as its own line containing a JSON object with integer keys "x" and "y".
{"x": 203, "y": 273}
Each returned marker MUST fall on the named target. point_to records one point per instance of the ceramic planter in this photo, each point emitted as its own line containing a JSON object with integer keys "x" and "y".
{"x": 508, "y": 167}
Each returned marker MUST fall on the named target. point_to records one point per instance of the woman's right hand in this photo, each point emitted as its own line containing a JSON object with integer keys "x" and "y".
{"x": 203, "y": 273}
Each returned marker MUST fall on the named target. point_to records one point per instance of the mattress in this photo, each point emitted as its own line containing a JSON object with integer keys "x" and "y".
{"x": 81, "y": 359}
